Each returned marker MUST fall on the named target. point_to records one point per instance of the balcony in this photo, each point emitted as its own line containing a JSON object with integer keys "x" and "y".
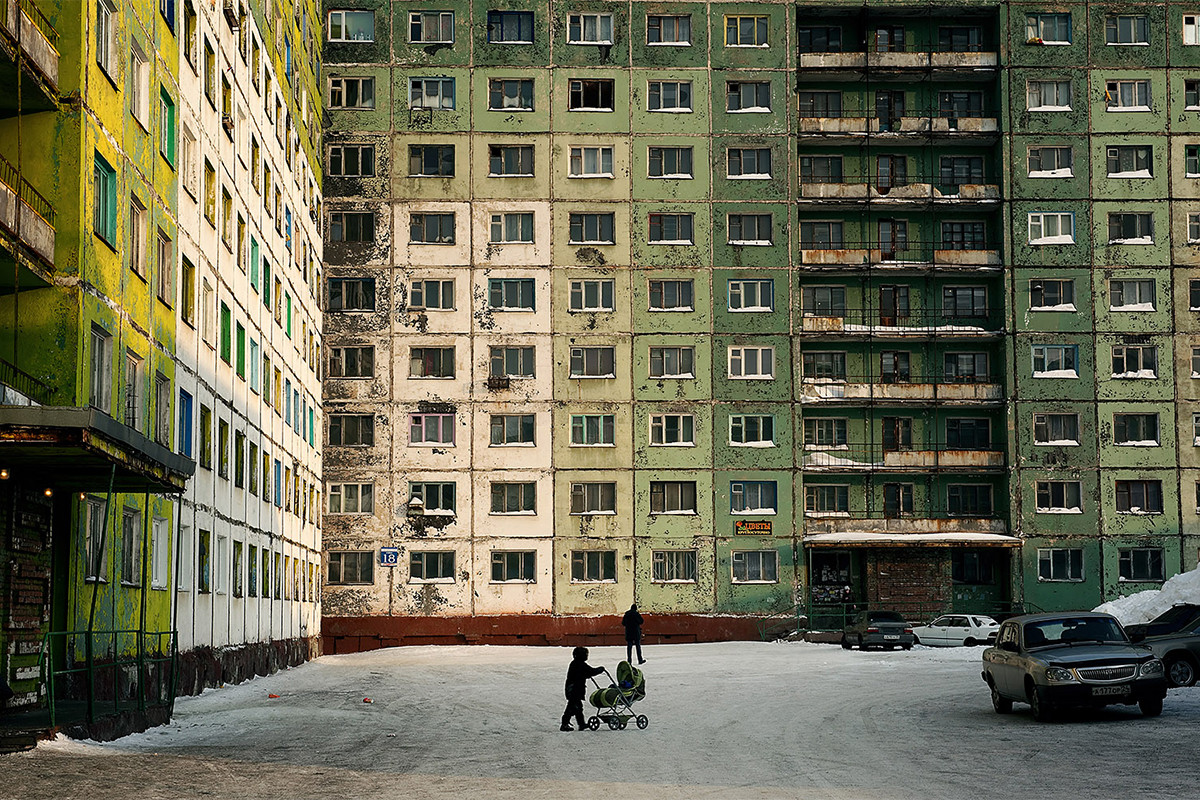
{"x": 903, "y": 323}
{"x": 901, "y": 387}
{"x": 25, "y": 214}
{"x": 920, "y": 457}
{"x": 925, "y": 526}
{"x": 885, "y": 190}
{"x": 897, "y": 128}
{"x": 23, "y": 26}
{"x": 838, "y": 254}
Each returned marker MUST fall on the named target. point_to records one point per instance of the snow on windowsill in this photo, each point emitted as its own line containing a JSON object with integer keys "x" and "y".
{"x": 1122, "y": 109}
{"x": 752, "y": 309}
{"x": 1071, "y": 510}
{"x": 672, "y": 242}
{"x": 512, "y": 513}
{"x": 1050, "y": 108}
{"x": 1057, "y": 373}
{"x": 1127, "y": 44}
{"x": 1141, "y": 373}
{"x": 1138, "y": 443}
{"x": 1137, "y": 173}
{"x": 593, "y": 513}
{"x": 1057, "y": 443}
{"x": 1059, "y": 307}
{"x": 1133, "y": 307}
{"x": 591, "y": 175}
{"x": 1137, "y": 240}
{"x": 752, "y": 444}
{"x": 1052, "y": 173}
{"x": 669, "y": 110}
{"x": 1054, "y": 240}
{"x": 680, "y": 513}
{"x": 668, "y": 44}
{"x": 673, "y": 444}
{"x": 750, "y": 242}
{"x": 753, "y": 512}
{"x": 1139, "y": 512}
{"x": 749, "y": 110}
{"x": 750, "y": 176}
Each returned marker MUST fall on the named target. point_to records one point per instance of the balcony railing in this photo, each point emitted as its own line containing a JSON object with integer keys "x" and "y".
{"x": 901, "y": 386}
{"x": 906, "y": 322}
{"x": 887, "y": 189}
{"x": 876, "y": 456}
{"x": 28, "y": 389}
{"x": 859, "y": 122}
{"x": 972, "y": 252}
{"x": 38, "y": 38}
{"x": 25, "y": 213}
{"x": 976, "y": 59}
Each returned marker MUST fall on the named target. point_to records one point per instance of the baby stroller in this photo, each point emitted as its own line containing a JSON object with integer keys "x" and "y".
{"x": 614, "y": 704}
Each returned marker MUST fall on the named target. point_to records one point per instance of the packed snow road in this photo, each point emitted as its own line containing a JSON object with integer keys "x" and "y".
{"x": 730, "y": 720}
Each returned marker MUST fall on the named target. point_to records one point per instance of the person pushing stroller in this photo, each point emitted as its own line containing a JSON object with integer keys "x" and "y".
{"x": 576, "y": 687}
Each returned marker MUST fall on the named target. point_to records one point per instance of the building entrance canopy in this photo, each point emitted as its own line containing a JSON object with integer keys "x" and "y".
{"x": 941, "y": 539}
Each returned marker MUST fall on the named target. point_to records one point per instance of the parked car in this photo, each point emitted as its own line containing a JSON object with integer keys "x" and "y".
{"x": 956, "y": 630}
{"x": 1179, "y": 651}
{"x": 1179, "y": 617}
{"x": 1054, "y": 661}
{"x": 886, "y": 629}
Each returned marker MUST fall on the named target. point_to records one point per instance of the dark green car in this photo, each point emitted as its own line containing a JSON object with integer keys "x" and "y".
{"x": 1083, "y": 659}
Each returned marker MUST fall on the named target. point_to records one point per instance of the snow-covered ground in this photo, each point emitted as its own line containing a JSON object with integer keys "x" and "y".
{"x": 727, "y": 720}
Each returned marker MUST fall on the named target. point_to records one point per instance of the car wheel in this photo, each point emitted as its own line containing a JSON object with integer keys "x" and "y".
{"x": 916, "y": 639}
{"x": 1042, "y": 710}
{"x": 969, "y": 642}
{"x": 1151, "y": 707}
{"x": 845, "y": 642}
{"x": 861, "y": 646}
{"x": 999, "y": 702}
{"x": 1180, "y": 671}
{"x": 906, "y": 646}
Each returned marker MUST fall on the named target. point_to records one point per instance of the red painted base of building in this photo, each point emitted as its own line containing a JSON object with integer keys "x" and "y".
{"x": 358, "y": 634}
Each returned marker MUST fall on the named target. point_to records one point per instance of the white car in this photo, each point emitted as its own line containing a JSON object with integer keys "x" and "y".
{"x": 957, "y": 630}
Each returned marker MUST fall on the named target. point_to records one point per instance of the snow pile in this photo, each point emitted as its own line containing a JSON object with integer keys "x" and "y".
{"x": 1145, "y": 606}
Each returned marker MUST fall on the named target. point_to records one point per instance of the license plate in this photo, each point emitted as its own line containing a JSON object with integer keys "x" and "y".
{"x": 891, "y": 636}
{"x": 1108, "y": 690}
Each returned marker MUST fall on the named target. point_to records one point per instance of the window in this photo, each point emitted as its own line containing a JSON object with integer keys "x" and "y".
{"x": 674, "y": 295}
{"x": 429, "y": 228}
{"x": 589, "y": 29}
{"x": 431, "y": 93}
{"x": 590, "y": 162}
{"x": 594, "y": 94}
{"x": 1050, "y": 162}
{"x": 351, "y": 93}
{"x": 593, "y": 566}
{"x": 510, "y": 160}
{"x": 593, "y": 362}
{"x": 673, "y": 566}
{"x": 1193, "y": 229}
{"x": 672, "y": 430}
{"x": 431, "y": 362}
{"x": 969, "y": 499}
{"x": 204, "y": 556}
{"x": 431, "y": 295}
{"x": 137, "y": 236}
{"x": 1060, "y": 564}
{"x": 512, "y": 228}
{"x": 210, "y": 73}
{"x": 511, "y": 362}
{"x": 511, "y": 94}
{"x": 351, "y": 26}
{"x": 591, "y": 295}
{"x": 670, "y": 162}
{"x": 755, "y": 566}
{"x": 351, "y": 294}
{"x": 824, "y": 366}
{"x": 1135, "y": 361}
{"x": 431, "y": 161}
{"x": 510, "y": 294}
{"x": 106, "y": 36}
{"x": 1048, "y": 95}
{"x": 431, "y": 27}
{"x": 755, "y": 163}
{"x": 824, "y": 432}
{"x": 351, "y": 498}
{"x": 1131, "y": 295}
{"x": 752, "y": 430}
{"x": 752, "y": 497}
{"x": 514, "y": 566}
{"x": 669, "y": 96}
{"x": 510, "y": 27}
{"x": 1191, "y": 29}
{"x": 166, "y": 126}
{"x": 746, "y": 31}
{"x": 819, "y": 104}
{"x": 513, "y": 498}
{"x": 966, "y": 368}
{"x": 813, "y": 169}
{"x": 1055, "y": 361}
{"x": 826, "y": 500}
{"x": 1130, "y": 161}
{"x": 1052, "y": 228}
{"x": 751, "y": 295}
{"x": 591, "y": 229}
{"x": 352, "y": 161}
{"x": 352, "y": 430}
{"x": 345, "y": 226}
{"x": 1048, "y": 28}
{"x": 1141, "y": 563}
{"x": 1058, "y": 497}
{"x": 1056, "y": 429}
{"x": 348, "y": 362}
{"x": 344, "y": 568}
{"x": 672, "y": 497}
{"x": 592, "y": 430}
{"x": 94, "y": 511}
{"x": 1127, "y": 95}
{"x": 752, "y": 363}
{"x": 1126, "y": 29}
{"x": 131, "y": 539}
{"x": 104, "y": 212}
{"x": 672, "y": 362}
{"x": 964, "y": 301}
{"x": 964, "y": 236}
{"x": 1139, "y": 497}
{"x": 206, "y": 432}
{"x": 512, "y": 429}
{"x": 188, "y": 157}
{"x": 437, "y": 429}
{"x": 1130, "y": 228}
{"x": 662, "y": 29}
{"x": 749, "y": 229}
{"x": 432, "y": 497}
{"x": 819, "y": 39}
{"x": 1049, "y": 294}
{"x": 593, "y": 498}
{"x": 1135, "y": 430}
{"x": 821, "y": 236}
{"x": 752, "y": 96}
{"x": 1191, "y": 95}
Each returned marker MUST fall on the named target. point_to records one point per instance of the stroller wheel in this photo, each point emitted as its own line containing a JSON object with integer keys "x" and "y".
{"x": 594, "y": 723}
{"x": 621, "y": 725}
{"x": 613, "y": 723}
{"x": 642, "y": 722}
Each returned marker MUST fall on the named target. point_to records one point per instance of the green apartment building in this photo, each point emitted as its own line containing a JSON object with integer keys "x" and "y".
{"x": 731, "y": 309}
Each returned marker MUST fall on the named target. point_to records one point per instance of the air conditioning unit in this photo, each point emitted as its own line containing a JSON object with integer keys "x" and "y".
{"x": 227, "y": 123}
{"x": 497, "y": 382}
{"x": 231, "y": 13}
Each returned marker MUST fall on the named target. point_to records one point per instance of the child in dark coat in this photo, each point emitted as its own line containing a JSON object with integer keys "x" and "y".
{"x": 577, "y": 677}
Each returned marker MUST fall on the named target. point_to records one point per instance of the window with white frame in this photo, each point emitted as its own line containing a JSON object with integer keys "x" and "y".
{"x": 1139, "y": 497}
{"x": 1050, "y": 162}
{"x": 752, "y": 430}
{"x": 431, "y": 294}
{"x": 351, "y": 498}
{"x": 507, "y": 430}
{"x": 591, "y": 295}
{"x": 590, "y": 162}
{"x": 352, "y": 160}
{"x": 593, "y": 362}
{"x": 1060, "y": 564}
{"x": 745, "y": 295}
{"x": 352, "y": 93}
{"x": 752, "y": 363}
{"x": 431, "y": 362}
{"x": 514, "y": 566}
{"x": 673, "y": 497}
{"x": 514, "y": 498}
{"x": 672, "y": 362}
{"x": 351, "y": 26}
{"x": 593, "y": 566}
{"x": 752, "y": 497}
{"x": 1052, "y": 228}
{"x": 431, "y": 27}
{"x": 513, "y": 361}
{"x": 591, "y": 228}
{"x": 1141, "y": 563}
{"x": 1191, "y": 29}
{"x": 139, "y": 77}
{"x": 669, "y": 29}
{"x": 748, "y": 96}
{"x": 1048, "y": 95}
{"x": 589, "y": 29}
{"x": 748, "y": 163}
{"x": 671, "y": 295}
{"x": 673, "y": 566}
{"x": 590, "y": 94}
{"x": 670, "y": 228}
{"x": 431, "y": 228}
{"x": 1051, "y": 294}
{"x": 1130, "y": 161}
{"x": 1135, "y": 361}
{"x": 1055, "y": 361}
{"x": 672, "y": 430}
{"x": 138, "y": 217}
{"x": 749, "y": 229}
{"x": 1058, "y": 497}
{"x": 1131, "y": 294}
{"x": 588, "y": 430}
{"x": 510, "y": 94}
{"x": 588, "y": 499}
{"x": 1048, "y": 28}
{"x": 755, "y": 566}
{"x": 106, "y": 36}
{"x": 1130, "y": 228}
{"x": 428, "y": 566}
{"x": 1136, "y": 430}
{"x": 1056, "y": 429}
{"x": 1133, "y": 95}
{"x": 433, "y": 497}
{"x": 673, "y": 96}
{"x": 670, "y": 162}
{"x": 1122, "y": 29}
{"x": 514, "y": 227}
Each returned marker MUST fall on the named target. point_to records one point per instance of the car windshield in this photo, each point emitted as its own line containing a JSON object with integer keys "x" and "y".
{"x": 1176, "y": 615}
{"x": 885, "y": 616}
{"x": 1066, "y": 630}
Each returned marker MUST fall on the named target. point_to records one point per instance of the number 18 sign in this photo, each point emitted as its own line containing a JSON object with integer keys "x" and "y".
{"x": 389, "y": 556}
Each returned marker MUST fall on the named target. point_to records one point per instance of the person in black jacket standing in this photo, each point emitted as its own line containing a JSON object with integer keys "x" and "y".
{"x": 633, "y": 633}
{"x": 577, "y": 677}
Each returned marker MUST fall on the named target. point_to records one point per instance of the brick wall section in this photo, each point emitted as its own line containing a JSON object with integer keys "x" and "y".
{"x": 909, "y": 579}
{"x": 25, "y": 530}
